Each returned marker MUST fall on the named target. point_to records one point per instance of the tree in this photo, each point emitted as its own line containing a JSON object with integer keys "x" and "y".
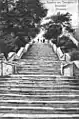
{"x": 62, "y": 19}
{"x": 57, "y": 24}
{"x": 53, "y": 31}
{"x": 7, "y": 42}
{"x": 20, "y": 18}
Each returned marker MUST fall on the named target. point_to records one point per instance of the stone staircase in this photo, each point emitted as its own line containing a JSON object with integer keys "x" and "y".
{"x": 39, "y": 60}
{"x": 35, "y": 92}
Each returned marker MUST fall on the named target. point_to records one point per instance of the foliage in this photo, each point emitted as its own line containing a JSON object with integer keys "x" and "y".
{"x": 20, "y": 19}
{"x": 57, "y": 23}
{"x": 66, "y": 41}
{"x": 66, "y": 44}
{"x": 7, "y": 44}
{"x": 74, "y": 55}
{"x": 61, "y": 18}
{"x": 53, "y": 31}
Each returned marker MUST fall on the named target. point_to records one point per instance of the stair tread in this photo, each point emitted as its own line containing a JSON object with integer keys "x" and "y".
{"x": 41, "y": 101}
{"x": 42, "y": 108}
{"x": 40, "y": 115}
{"x": 39, "y": 86}
{"x": 28, "y": 95}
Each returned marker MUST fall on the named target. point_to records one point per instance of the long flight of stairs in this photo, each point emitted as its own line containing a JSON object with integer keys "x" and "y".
{"x": 37, "y": 90}
{"x": 40, "y": 60}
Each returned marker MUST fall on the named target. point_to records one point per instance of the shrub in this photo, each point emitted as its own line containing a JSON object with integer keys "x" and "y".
{"x": 66, "y": 44}
{"x": 74, "y": 55}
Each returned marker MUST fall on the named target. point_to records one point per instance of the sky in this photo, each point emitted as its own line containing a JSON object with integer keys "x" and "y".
{"x": 71, "y": 7}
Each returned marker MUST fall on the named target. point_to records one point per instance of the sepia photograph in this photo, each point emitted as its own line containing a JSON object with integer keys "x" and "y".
{"x": 39, "y": 59}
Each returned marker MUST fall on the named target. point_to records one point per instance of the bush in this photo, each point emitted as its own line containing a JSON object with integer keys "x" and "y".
{"x": 62, "y": 40}
{"x": 74, "y": 55}
{"x": 66, "y": 44}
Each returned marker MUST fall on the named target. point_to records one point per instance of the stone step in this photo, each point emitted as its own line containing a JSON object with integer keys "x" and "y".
{"x": 42, "y": 101}
{"x": 32, "y": 87}
{"x": 38, "y": 111}
{"x": 38, "y": 108}
{"x": 39, "y": 116}
{"x": 36, "y": 58}
{"x": 39, "y": 91}
{"x": 40, "y": 85}
{"x": 40, "y": 98}
{"x": 40, "y": 67}
{"x": 39, "y": 73}
{"x": 35, "y": 61}
{"x": 29, "y": 102}
{"x": 53, "y": 104}
{"x": 48, "y": 82}
{"x": 36, "y": 84}
{"x": 41, "y": 77}
{"x": 38, "y": 55}
{"x": 38, "y": 78}
{"x": 43, "y": 58}
{"x": 31, "y": 82}
{"x": 44, "y": 63}
{"x": 47, "y": 68}
{"x": 74, "y": 93}
{"x": 38, "y": 95}
{"x": 43, "y": 55}
{"x": 39, "y": 64}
